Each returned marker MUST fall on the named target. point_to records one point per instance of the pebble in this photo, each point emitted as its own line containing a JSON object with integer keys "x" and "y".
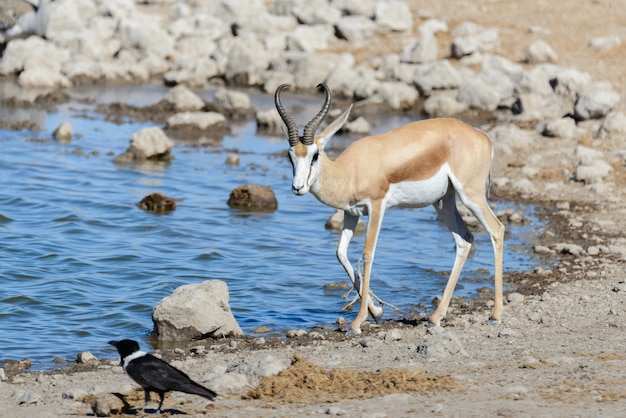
{"x": 393, "y": 335}
{"x": 293, "y": 333}
{"x": 29, "y": 397}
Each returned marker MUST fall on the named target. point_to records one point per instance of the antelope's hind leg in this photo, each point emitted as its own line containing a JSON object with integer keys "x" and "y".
{"x": 463, "y": 238}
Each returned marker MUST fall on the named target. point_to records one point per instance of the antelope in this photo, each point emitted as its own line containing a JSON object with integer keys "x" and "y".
{"x": 428, "y": 162}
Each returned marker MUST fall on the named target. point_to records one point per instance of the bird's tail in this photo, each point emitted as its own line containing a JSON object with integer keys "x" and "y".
{"x": 198, "y": 389}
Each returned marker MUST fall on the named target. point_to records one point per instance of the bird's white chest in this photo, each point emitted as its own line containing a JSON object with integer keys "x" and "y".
{"x": 126, "y": 360}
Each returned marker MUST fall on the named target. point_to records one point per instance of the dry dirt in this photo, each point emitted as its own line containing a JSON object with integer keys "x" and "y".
{"x": 559, "y": 351}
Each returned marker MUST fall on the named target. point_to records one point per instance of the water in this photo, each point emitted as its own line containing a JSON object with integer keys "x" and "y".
{"x": 80, "y": 264}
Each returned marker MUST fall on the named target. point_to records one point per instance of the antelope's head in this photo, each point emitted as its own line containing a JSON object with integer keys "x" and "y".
{"x": 305, "y": 150}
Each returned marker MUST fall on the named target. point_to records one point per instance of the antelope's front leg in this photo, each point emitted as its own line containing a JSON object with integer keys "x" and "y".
{"x": 376, "y": 213}
{"x": 349, "y": 226}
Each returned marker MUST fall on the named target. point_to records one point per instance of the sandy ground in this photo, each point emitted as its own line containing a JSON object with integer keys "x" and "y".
{"x": 560, "y": 348}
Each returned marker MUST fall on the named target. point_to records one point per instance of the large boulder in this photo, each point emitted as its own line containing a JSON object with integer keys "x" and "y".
{"x": 195, "y": 311}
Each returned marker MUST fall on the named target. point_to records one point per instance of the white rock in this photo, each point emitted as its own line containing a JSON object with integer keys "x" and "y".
{"x": 605, "y": 43}
{"x": 595, "y": 104}
{"x": 232, "y": 100}
{"x": 393, "y": 16}
{"x": 199, "y": 120}
{"x": 181, "y": 98}
{"x": 195, "y": 310}
{"x": 613, "y": 126}
{"x": 357, "y": 29}
{"x": 151, "y": 141}
{"x": 439, "y": 75}
{"x": 561, "y": 128}
{"x": 540, "y": 51}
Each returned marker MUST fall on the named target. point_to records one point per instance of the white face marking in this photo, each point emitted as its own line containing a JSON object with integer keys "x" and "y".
{"x": 417, "y": 194}
{"x": 305, "y": 169}
{"x": 131, "y": 357}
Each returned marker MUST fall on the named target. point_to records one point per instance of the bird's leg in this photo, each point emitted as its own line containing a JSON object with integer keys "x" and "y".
{"x": 147, "y": 396}
{"x": 161, "y": 399}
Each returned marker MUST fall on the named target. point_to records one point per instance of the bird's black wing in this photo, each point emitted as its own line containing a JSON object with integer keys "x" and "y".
{"x": 153, "y": 373}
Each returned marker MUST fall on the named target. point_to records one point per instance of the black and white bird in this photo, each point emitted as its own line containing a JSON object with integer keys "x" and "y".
{"x": 154, "y": 374}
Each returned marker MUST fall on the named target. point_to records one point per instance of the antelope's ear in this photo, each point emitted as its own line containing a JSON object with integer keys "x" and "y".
{"x": 334, "y": 126}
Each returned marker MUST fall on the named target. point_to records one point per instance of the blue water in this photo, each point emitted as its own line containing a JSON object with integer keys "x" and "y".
{"x": 80, "y": 264}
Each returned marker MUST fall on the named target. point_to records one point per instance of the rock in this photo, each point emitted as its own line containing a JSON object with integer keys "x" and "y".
{"x": 442, "y": 105}
{"x": 441, "y": 345}
{"x": 595, "y": 104}
{"x": 310, "y": 38}
{"x": 63, "y": 133}
{"x": 358, "y": 126}
{"x": 294, "y": 333}
{"x": 253, "y": 197}
{"x": 29, "y": 397}
{"x": 480, "y": 41}
{"x": 566, "y": 248}
{"x": 439, "y": 75}
{"x": 561, "y": 128}
{"x": 158, "y": 203}
{"x": 315, "y": 12}
{"x": 507, "y": 138}
{"x": 86, "y": 358}
{"x": 423, "y": 50}
{"x": 539, "y": 51}
{"x": 233, "y": 160}
{"x": 486, "y": 91}
{"x": 147, "y": 143}
{"x": 77, "y": 394}
{"x": 393, "y": 16}
{"x": 229, "y": 383}
{"x": 213, "y": 121}
{"x": 613, "y": 126}
{"x": 570, "y": 83}
{"x": 591, "y": 166}
{"x": 357, "y": 29}
{"x": 235, "y": 103}
{"x": 247, "y": 59}
{"x": 268, "y": 121}
{"x": 3, "y": 376}
{"x": 195, "y": 311}
{"x": 107, "y": 404}
{"x": 393, "y": 334}
{"x": 605, "y": 43}
{"x": 180, "y": 98}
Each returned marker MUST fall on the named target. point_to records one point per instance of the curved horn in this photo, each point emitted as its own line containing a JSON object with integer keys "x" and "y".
{"x": 311, "y": 127}
{"x": 292, "y": 128}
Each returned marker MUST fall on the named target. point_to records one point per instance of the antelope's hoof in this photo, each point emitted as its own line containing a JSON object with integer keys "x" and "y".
{"x": 494, "y": 321}
{"x": 354, "y": 331}
{"x": 376, "y": 312}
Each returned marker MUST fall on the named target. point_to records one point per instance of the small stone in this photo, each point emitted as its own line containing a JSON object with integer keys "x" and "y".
{"x": 506, "y": 332}
{"x": 261, "y": 330}
{"x": 259, "y": 341}
{"x": 515, "y": 298}
{"x": 107, "y": 404}
{"x": 87, "y": 358}
{"x": 233, "y": 160}
{"x": 393, "y": 335}
{"x": 293, "y": 333}
{"x": 63, "y": 133}
{"x": 29, "y": 397}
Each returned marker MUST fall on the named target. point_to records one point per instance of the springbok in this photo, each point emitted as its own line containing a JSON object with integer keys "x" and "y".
{"x": 429, "y": 162}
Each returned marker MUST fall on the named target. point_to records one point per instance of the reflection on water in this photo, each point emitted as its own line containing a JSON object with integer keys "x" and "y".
{"x": 81, "y": 264}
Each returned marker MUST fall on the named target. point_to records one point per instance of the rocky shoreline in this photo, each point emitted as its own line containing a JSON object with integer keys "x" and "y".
{"x": 559, "y": 133}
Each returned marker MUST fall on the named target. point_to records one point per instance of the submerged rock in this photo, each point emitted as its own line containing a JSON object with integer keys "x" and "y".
{"x": 157, "y": 202}
{"x": 253, "y": 197}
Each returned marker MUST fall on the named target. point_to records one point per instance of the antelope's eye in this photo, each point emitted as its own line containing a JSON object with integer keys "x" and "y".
{"x": 315, "y": 157}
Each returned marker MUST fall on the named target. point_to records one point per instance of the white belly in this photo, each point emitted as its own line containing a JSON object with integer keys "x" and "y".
{"x": 417, "y": 194}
